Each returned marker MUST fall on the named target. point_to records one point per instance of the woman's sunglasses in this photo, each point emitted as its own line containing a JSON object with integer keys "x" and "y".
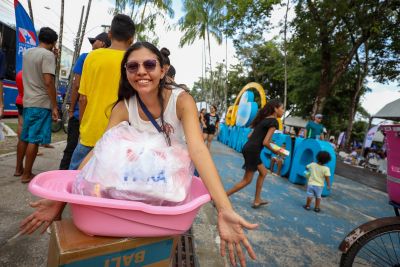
{"x": 133, "y": 66}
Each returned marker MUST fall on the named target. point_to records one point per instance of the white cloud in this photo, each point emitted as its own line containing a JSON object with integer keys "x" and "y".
{"x": 381, "y": 95}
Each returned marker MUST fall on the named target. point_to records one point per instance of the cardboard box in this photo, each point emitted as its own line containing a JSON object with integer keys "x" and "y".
{"x": 69, "y": 247}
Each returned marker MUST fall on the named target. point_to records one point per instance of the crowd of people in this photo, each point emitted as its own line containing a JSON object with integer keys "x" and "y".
{"x": 120, "y": 81}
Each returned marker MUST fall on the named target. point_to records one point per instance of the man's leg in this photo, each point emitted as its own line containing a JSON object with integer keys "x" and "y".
{"x": 30, "y": 157}
{"x": 72, "y": 142}
{"x": 21, "y": 150}
{"x": 79, "y": 154}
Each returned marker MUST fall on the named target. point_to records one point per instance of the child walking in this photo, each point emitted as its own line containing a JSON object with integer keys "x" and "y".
{"x": 279, "y": 160}
{"x": 318, "y": 173}
{"x": 264, "y": 125}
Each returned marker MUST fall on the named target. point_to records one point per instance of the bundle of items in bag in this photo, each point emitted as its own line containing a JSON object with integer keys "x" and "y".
{"x": 139, "y": 166}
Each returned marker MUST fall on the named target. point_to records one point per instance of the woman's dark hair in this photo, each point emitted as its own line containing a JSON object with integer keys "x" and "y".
{"x": 47, "y": 35}
{"x": 323, "y": 157}
{"x": 266, "y": 111}
{"x": 126, "y": 91}
{"x": 165, "y": 53}
{"x": 171, "y": 71}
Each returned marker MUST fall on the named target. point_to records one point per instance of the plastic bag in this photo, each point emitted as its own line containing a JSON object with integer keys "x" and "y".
{"x": 139, "y": 166}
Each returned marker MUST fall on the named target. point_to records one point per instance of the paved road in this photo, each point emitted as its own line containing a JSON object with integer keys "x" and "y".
{"x": 287, "y": 234}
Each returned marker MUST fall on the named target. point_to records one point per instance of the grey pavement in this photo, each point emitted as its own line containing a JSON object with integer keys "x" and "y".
{"x": 287, "y": 234}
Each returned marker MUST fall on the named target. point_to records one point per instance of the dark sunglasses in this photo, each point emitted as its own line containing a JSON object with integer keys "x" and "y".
{"x": 133, "y": 66}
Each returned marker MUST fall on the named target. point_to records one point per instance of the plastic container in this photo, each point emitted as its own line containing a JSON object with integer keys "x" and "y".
{"x": 392, "y": 133}
{"x": 120, "y": 218}
{"x": 280, "y": 149}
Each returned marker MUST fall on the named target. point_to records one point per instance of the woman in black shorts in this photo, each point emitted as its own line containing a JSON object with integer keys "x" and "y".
{"x": 211, "y": 121}
{"x": 264, "y": 125}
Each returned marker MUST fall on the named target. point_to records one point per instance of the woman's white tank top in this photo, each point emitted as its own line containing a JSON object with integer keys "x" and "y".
{"x": 170, "y": 117}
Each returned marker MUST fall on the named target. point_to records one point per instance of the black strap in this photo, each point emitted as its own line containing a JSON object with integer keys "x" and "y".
{"x": 148, "y": 114}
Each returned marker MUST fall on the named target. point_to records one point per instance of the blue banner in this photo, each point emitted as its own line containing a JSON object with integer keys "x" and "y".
{"x": 25, "y": 34}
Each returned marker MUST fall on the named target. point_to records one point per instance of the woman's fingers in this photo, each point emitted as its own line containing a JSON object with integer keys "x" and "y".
{"x": 240, "y": 254}
{"x": 26, "y": 220}
{"x": 45, "y": 226}
{"x": 247, "y": 225}
{"x": 249, "y": 249}
{"x": 31, "y": 226}
{"x": 34, "y": 204}
{"x": 223, "y": 248}
{"x": 232, "y": 253}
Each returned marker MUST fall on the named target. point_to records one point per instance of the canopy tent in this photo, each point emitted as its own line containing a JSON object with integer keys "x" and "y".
{"x": 295, "y": 122}
{"x": 389, "y": 112}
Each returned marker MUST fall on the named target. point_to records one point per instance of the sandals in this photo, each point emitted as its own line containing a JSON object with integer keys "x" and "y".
{"x": 257, "y": 205}
{"x": 308, "y": 208}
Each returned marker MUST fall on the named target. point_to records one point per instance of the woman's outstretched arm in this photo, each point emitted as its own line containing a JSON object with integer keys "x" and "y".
{"x": 230, "y": 224}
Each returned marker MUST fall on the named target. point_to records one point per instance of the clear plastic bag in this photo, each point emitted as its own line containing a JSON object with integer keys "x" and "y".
{"x": 139, "y": 166}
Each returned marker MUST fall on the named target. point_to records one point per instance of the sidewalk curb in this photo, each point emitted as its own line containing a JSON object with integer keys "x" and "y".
{"x": 15, "y": 152}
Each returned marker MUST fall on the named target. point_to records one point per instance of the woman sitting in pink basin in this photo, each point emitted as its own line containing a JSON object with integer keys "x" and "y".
{"x": 143, "y": 80}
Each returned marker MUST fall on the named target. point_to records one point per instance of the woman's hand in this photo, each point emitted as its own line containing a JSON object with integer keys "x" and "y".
{"x": 230, "y": 226}
{"x": 46, "y": 212}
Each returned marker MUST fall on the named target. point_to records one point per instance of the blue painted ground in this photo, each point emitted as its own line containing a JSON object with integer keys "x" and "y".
{"x": 288, "y": 235}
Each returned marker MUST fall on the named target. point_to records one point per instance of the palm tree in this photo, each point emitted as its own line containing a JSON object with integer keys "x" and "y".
{"x": 202, "y": 19}
{"x": 145, "y": 13}
{"x": 60, "y": 39}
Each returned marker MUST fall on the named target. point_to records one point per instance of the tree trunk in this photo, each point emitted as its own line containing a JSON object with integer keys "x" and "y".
{"x": 60, "y": 38}
{"x": 30, "y": 11}
{"x": 226, "y": 76}
{"x": 141, "y": 19}
{"x": 324, "y": 86}
{"x": 211, "y": 71}
{"x": 356, "y": 96}
{"x": 285, "y": 57}
{"x": 84, "y": 26}
{"x": 74, "y": 58}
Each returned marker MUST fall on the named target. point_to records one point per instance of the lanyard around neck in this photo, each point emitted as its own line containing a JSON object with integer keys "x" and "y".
{"x": 148, "y": 114}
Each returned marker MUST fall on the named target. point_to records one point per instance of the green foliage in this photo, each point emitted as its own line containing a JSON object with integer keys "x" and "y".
{"x": 359, "y": 129}
{"x": 201, "y": 18}
{"x": 145, "y": 14}
{"x": 248, "y": 16}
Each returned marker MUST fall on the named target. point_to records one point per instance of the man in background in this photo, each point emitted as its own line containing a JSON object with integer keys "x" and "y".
{"x": 100, "y": 41}
{"x": 98, "y": 89}
{"x": 40, "y": 106}
{"x": 314, "y": 129}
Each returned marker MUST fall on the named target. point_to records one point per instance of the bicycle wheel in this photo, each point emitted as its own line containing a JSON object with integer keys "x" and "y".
{"x": 380, "y": 247}
{"x": 65, "y": 118}
{"x": 56, "y": 126}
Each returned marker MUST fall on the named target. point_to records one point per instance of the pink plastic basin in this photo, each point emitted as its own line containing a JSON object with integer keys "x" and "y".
{"x": 393, "y": 160}
{"x": 120, "y": 218}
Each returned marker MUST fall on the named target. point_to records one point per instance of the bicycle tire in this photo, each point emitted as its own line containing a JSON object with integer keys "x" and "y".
{"x": 347, "y": 259}
{"x": 56, "y": 126}
{"x": 65, "y": 119}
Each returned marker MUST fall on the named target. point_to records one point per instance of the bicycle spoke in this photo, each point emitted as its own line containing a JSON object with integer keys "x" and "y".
{"x": 366, "y": 259}
{"x": 377, "y": 245}
{"x": 397, "y": 259}
{"x": 387, "y": 253}
{"x": 375, "y": 255}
